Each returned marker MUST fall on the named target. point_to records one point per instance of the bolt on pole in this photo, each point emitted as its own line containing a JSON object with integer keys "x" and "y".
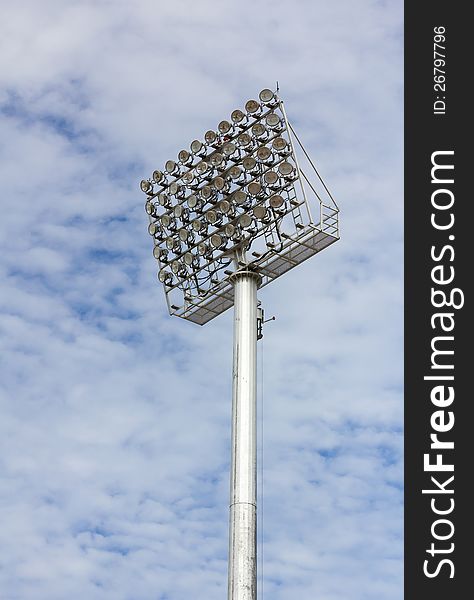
{"x": 242, "y": 583}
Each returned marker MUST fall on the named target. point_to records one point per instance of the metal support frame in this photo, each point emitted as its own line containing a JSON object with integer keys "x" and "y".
{"x": 242, "y": 584}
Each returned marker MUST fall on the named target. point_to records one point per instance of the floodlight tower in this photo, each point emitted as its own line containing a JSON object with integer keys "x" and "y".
{"x": 230, "y": 215}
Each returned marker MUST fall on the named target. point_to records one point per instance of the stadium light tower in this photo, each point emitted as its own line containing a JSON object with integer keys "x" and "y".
{"x": 230, "y": 215}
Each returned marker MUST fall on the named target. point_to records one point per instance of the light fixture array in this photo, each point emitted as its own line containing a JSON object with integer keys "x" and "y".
{"x": 229, "y": 203}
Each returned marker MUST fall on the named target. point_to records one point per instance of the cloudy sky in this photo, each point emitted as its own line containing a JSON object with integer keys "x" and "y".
{"x": 115, "y": 418}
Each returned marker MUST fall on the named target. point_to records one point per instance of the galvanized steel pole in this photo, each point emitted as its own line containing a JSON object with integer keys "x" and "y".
{"x": 243, "y": 477}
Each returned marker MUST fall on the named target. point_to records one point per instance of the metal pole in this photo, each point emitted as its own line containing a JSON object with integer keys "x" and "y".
{"x": 243, "y": 475}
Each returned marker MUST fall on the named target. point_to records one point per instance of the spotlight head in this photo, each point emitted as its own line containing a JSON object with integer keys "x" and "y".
{"x": 271, "y": 177}
{"x": 237, "y": 116}
{"x": 206, "y": 192}
{"x": 202, "y": 167}
{"x": 224, "y": 127}
{"x": 229, "y": 230}
{"x": 197, "y": 147}
{"x": 216, "y": 159}
{"x": 245, "y": 220}
{"x": 240, "y": 197}
{"x": 273, "y": 121}
{"x": 183, "y": 234}
{"x": 217, "y": 240}
{"x": 211, "y": 217}
{"x": 249, "y": 163}
{"x": 210, "y": 137}
{"x": 165, "y": 277}
{"x": 165, "y": 220}
{"x": 150, "y": 207}
{"x": 158, "y": 176}
{"x": 260, "y": 212}
{"x": 252, "y": 106}
{"x": 164, "y": 200}
{"x": 254, "y": 188}
{"x": 280, "y": 144}
{"x": 192, "y": 201}
{"x": 266, "y": 96}
{"x": 225, "y": 206}
{"x": 264, "y": 153}
{"x": 146, "y": 186}
{"x": 171, "y": 167}
{"x": 285, "y": 168}
{"x": 244, "y": 140}
{"x": 235, "y": 172}
{"x": 219, "y": 183}
{"x": 185, "y": 157}
{"x": 197, "y": 225}
{"x": 154, "y": 228}
{"x": 188, "y": 259}
{"x": 259, "y": 131}
{"x": 276, "y": 201}
{"x": 203, "y": 248}
{"x": 228, "y": 149}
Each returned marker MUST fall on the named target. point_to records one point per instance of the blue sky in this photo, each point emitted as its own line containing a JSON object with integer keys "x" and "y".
{"x": 115, "y": 418}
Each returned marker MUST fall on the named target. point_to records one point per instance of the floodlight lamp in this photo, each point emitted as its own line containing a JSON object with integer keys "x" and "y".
{"x": 210, "y": 137}
{"x": 212, "y": 217}
{"x": 260, "y": 212}
{"x": 188, "y": 178}
{"x": 264, "y": 154}
{"x": 150, "y": 207}
{"x": 224, "y": 127}
{"x": 198, "y": 148}
{"x": 237, "y": 116}
{"x": 244, "y": 140}
{"x": 280, "y": 145}
{"x": 259, "y": 131}
{"x": 154, "y": 228}
{"x": 229, "y": 230}
{"x": 206, "y": 192}
{"x": 188, "y": 258}
{"x": 185, "y": 157}
{"x": 240, "y": 197}
{"x": 249, "y": 163}
{"x": 218, "y": 240}
{"x": 229, "y": 148}
{"x": 163, "y": 199}
{"x": 170, "y": 243}
{"x": 216, "y": 159}
{"x": 171, "y": 167}
{"x": 245, "y": 221}
{"x": 276, "y": 201}
{"x": 173, "y": 188}
{"x": 273, "y": 121}
{"x": 165, "y": 220}
{"x": 235, "y": 172}
{"x": 192, "y": 201}
{"x": 225, "y": 206}
{"x": 203, "y": 249}
{"x": 271, "y": 177}
{"x": 175, "y": 267}
{"x": 219, "y": 183}
{"x": 165, "y": 277}
{"x": 254, "y": 188}
{"x": 286, "y": 169}
{"x": 183, "y": 234}
{"x": 202, "y": 167}
{"x": 146, "y": 186}
{"x": 198, "y": 226}
{"x": 266, "y": 96}
{"x": 158, "y": 176}
{"x": 252, "y": 107}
